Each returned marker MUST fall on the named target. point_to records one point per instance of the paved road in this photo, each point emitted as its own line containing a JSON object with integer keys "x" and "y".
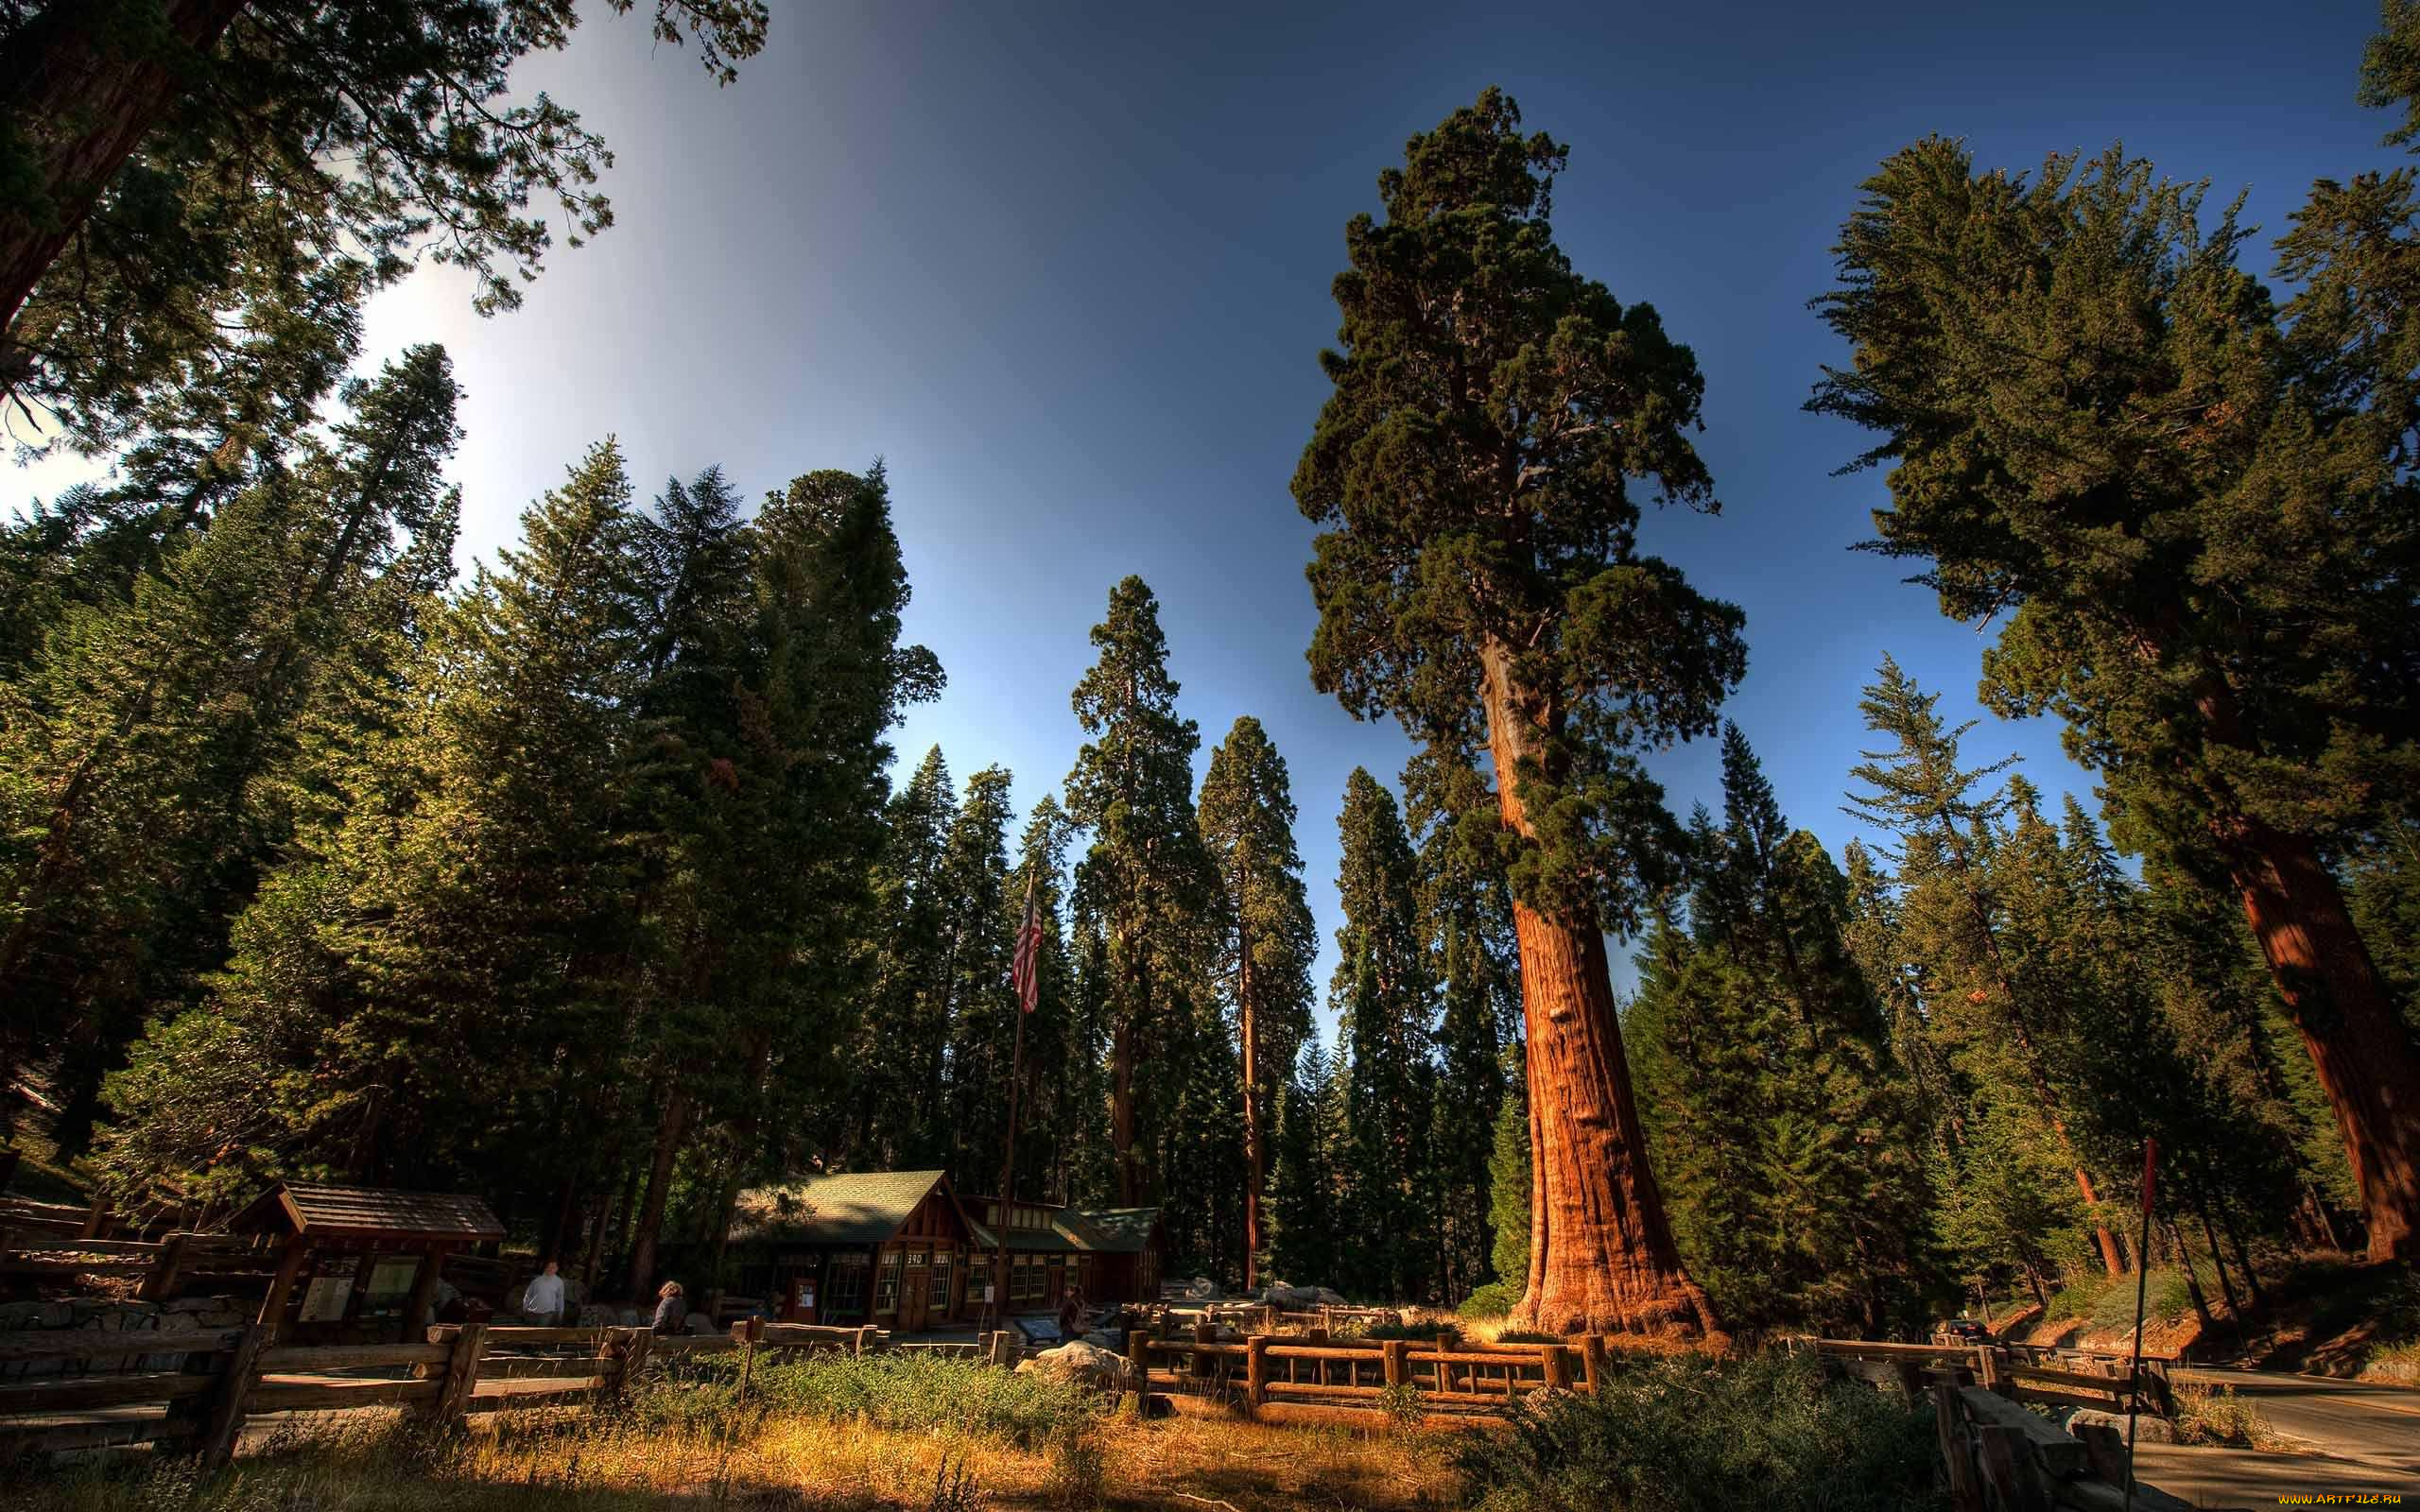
{"x": 2350, "y": 1435}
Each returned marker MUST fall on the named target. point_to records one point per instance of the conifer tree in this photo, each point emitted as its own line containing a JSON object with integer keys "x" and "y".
{"x": 138, "y": 741}
{"x": 1510, "y": 1180}
{"x": 1303, "y": 1242}
{"x": 1386, "y": 1003}
{"x": 1920, "y": 794}
{"x": 903, "y": 1018}
{"x": 2197, "y": 469}
{"x": 979, "y": 928}
{"x": 1268, "y": 939}
{"x": 1479, "y": 577}
{"x": 1145, "y": 881}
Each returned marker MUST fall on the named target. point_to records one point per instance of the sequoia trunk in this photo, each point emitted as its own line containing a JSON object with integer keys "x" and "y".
{"x": 1601, "y": 1256}
{"x": 1252, "y": 1102}
{"x": 83, "y": 106}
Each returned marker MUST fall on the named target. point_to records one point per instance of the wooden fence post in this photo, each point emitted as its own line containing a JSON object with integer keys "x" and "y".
{"x": 1592, "y": 1360}
{"x": 461, "y": 1375}
{"x": 629, "y": 1354}
{"x": 160, "y": 1284}
{"x": 1987, "y": 1369}
{"x": 224, "y": 1423}
{"x": 865, "y": 1344}
{"x": 1138, "y": 1359}
{"x": 1965, "y": 1491}
{"x": 1397, "y": 1353}
{"x": 1552, "y": 1366}
{"x": 1256, "y": 1369}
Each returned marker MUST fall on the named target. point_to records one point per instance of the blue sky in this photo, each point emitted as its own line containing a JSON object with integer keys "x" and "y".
{"x": 1064, "y": 267}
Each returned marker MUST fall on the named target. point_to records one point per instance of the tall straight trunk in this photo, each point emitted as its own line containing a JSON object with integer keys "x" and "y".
{"x": 1601, "y": 1256}
{"x": 2357, "y": 1040}
{"x": 2193, "y": 1283}
{"x": 83, "y": 106}
{"x": 669, "y": 1128}
{"x": 1253, "y": 1175}
{"x": 1121, "y": 1109}
{"x": 2218, "y": 1259}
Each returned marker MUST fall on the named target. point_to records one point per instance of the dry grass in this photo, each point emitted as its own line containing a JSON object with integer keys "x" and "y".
{"x": 2221, "y": 1419}
{"x": 786, "y": 1464}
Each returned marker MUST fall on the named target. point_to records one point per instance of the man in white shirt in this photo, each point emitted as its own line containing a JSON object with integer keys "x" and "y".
{"x": 543, "y": 1301}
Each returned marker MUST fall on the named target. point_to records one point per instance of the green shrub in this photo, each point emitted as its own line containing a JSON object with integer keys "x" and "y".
{"x": 1424, "y": 1332}
{"x": 1489, "y": 1301}
{"x": 2078, "y": 1298}
{"x": 893, "y": 1391}
{"x": 2165, "y": 1302}
{"x": 1527, "y": 1336}
{"x": 1688, "y": 1434}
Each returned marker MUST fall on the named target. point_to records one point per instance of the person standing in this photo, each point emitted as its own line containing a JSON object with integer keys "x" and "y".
{"x": 671, "y": 1313}
{"x": 543, "y": 1301}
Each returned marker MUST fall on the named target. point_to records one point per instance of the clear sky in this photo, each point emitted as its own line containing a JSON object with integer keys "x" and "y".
{"x": 1065, "y": 269}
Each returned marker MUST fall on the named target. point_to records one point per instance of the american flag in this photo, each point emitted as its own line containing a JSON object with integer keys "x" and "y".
{"x": 1027, "y": 972}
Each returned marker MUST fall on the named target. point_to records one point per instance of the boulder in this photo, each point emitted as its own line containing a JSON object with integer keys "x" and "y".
{"x": 700, "y": 1324}
{"x": 598, "y": 1316}
{"x": 1203, "y": 1289}
{"x": 1079, "y": 1361}
{"x": 2148, "y": 1429}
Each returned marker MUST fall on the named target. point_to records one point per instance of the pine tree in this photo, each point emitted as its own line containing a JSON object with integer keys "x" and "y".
{"x": 1479, "y": 578}
{"x": 903, "y": 1018}
{"x": 1510, "y": 1180}
{"x": 1267, "y": 937}
{"x": 2195, "y": 469}
{"x": 1145, "y": 881}
{"x": 980, "y": 930}
{"x": 1303, "y": 1242}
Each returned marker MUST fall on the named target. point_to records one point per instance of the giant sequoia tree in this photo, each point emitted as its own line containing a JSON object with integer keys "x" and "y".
{"x": 1480, "y": 579}
{"x": 2193, "y": 514}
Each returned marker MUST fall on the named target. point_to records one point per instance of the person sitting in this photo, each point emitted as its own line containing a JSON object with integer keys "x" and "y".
{"x": 671, "y": 1313}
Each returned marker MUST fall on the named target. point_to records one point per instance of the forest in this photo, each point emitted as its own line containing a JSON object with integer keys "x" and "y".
{"x": 589, "y": 879}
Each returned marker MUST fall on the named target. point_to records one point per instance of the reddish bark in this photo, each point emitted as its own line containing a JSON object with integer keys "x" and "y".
{"x": 84, "y": 107}
{"x": 1601, "y": 1256}
{"x": 669, "y": 1129}
{"x": 1121, "y": 1112}
{"x": 2356, "y": 1040}
{"x": 1252, "y": 1091}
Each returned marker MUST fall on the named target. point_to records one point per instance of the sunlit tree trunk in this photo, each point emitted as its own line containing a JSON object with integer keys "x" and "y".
{"x": 1601, "y": 1256}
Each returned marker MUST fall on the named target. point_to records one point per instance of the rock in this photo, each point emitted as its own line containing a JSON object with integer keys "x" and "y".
{"x": 630, "y": 1318}
{"x": 1203, "y": 1289}
{"x": 1078, "y": 1359}
{"x": 596, "y": 1315}
{"x": 36, "y": 1316}
{"x": 2148, "y": 1429}
{"x": 700, "y": 1324}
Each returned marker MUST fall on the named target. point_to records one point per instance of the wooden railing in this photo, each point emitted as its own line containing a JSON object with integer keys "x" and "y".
{"x": 226, "y": 1377}
{"x": 2082, "y": 1378}
{"x": 1443, "y": 1381}
{"x": 35, "y": 1248}
{"x": 2003, "y": 1458}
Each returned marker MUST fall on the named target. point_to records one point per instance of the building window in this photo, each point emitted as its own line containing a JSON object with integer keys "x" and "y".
{"x": 886, "y": 1285}
{"x": 941, "y": 1273}
{"x": 1026, "y": 1280}
{"x": 847, "y": 1284}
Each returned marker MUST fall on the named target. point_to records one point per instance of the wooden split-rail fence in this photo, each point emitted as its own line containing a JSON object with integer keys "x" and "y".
{"x": 1444, "y": 1383}
{"x": 225, "y": 1377}
{"x": 2052, "y": 1377}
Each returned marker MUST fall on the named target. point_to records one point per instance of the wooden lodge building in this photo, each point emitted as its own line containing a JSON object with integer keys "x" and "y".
{"x": 900, "y": 1249}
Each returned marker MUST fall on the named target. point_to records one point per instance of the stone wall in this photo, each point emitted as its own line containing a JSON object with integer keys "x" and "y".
{"x": 93, "y": 1314}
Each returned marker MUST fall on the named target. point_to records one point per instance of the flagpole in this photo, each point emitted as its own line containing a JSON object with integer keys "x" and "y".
{"x": 2142, "y": 1282}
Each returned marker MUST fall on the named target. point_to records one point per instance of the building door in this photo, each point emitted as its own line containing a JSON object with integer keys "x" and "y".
{"x": 913, "y": 1293}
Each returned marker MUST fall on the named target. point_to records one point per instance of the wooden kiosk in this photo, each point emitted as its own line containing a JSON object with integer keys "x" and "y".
{"x": 358, "y": 1264}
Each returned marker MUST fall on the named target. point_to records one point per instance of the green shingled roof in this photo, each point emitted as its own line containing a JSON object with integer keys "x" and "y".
{"x": 859, "y": 1208}
{"x": 1121, "y": 1230}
